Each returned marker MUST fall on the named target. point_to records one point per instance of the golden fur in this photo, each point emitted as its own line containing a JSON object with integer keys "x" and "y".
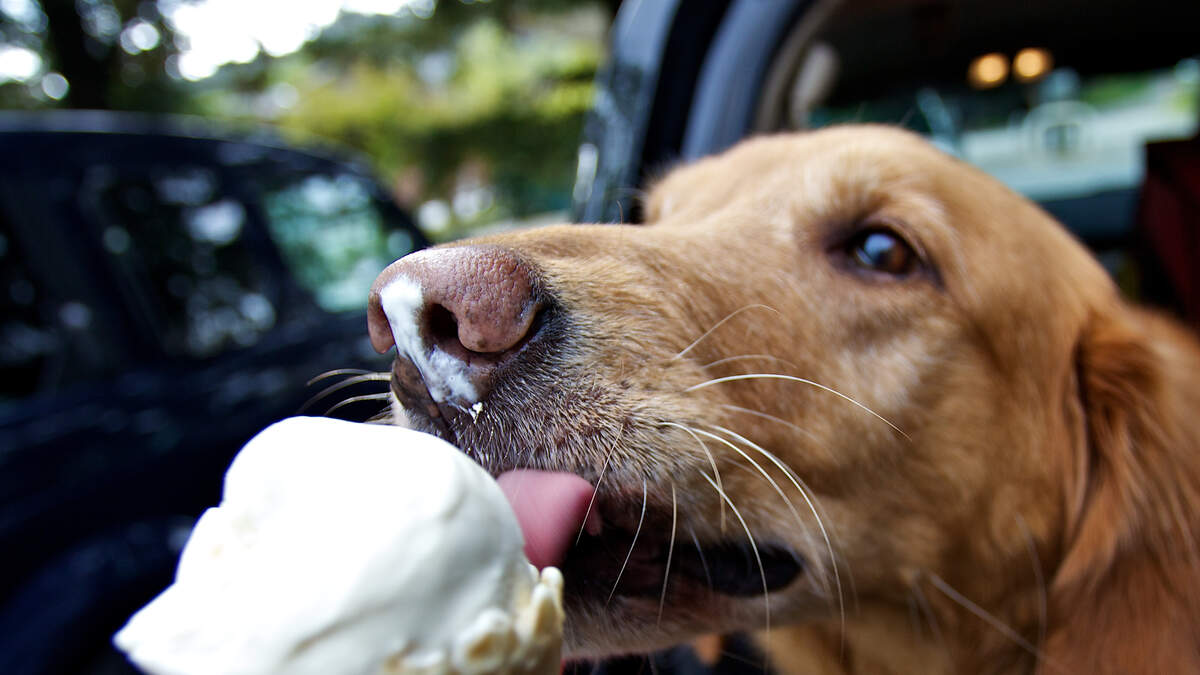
{"x": 1007, "y": 477}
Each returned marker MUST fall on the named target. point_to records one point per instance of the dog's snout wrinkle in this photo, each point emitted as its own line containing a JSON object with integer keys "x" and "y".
{"x": 455, "y": 313}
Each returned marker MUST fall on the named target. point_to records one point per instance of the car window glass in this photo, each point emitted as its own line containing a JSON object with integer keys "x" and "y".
{"x": 180, "y": 243}
{"x": 1068, "y": 134}
{"x": 334, "y": 235}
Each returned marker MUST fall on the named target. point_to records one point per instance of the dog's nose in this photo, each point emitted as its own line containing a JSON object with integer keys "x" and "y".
{"x": 455, "y": 313}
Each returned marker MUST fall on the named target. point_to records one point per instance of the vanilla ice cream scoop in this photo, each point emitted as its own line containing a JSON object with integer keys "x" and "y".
{"x": 343, "y": 549}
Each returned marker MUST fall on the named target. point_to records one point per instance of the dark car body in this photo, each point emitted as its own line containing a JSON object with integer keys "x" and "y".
{"x": 162, "y": 305}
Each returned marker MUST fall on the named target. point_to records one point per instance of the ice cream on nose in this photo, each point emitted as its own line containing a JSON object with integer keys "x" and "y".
{"x": 343, "y": 548}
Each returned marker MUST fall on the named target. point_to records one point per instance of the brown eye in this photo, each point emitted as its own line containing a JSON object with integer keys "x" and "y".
{"x": 882, "y": 251}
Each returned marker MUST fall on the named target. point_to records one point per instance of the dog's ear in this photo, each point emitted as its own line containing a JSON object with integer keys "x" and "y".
{"x": 1124, "y": 598}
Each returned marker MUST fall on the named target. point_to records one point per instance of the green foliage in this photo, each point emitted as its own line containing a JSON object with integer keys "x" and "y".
{"x": 511, "y": 101}
{"x": 1105, "y": 91}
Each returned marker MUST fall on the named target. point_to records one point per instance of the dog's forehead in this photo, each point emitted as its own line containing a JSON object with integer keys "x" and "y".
{"x": 835, "y": 172}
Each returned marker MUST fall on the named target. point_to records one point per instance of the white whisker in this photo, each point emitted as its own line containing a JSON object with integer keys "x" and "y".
{"x": 348, "y": 382}
{"x": 711, "y": 460}
{"x": 595, "y": 491}
{"x": 809, "y": 499}
{"x": 794, "y": 427}
{"x": 791, "y": 378}
{"x": 356, "y": 399}
{"x": 985, "y": 616}
{"x": 753, "y": 547}
{"x": 703, "y": 561}
{"x": 662, "y": 600}
{"x": 718, "y": 325}
{"x": 927, "y": 610}
{"x": 1038, "y": 578}
{"x": 345, "y": 371}
{"x": 758, "y": 468}
{"x": 914, "y": 615}
{"x": 632, "y": 544}
{"x": 384, "y": 416}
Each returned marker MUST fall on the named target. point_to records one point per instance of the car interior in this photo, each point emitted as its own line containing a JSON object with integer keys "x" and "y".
{"x": 1067, "y": 103}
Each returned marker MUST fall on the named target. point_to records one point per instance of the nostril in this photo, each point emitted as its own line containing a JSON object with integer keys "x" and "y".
{"x": 478, "y": 305}
{"x": 443, "y": 329}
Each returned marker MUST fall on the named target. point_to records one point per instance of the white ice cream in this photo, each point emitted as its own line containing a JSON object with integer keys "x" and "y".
{"x": 343, "y": 548}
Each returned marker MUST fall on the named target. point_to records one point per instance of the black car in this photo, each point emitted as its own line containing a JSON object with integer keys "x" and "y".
{"x": 168, "y": 290}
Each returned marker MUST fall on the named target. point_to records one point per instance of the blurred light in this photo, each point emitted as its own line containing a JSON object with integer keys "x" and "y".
{"x": 55, "y": 86}
{"x": 218, "y": 223}
{"x": 988, "y": 71}
{"x": 100, "y": 20}
{"x": 1031, "y": 63}
{"x": 117, "y": 240}
{"x": 422, "y": 9}
{"x": 585, "y": 171}
{"x": 437, "y": 68}
{"x": 26, "y": 13}
{"x": 172, "y": 67}
{"x": 283, "y": 95}
{"x": 258, "y": 310}
{"x": 434, "y": 216}
{"x": 18, "y": 63}
{"x": 75, "y": 315}
{"x": 139, "y": 36}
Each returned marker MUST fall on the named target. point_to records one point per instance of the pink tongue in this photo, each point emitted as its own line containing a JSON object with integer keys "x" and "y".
{"x": 551, "y": 508}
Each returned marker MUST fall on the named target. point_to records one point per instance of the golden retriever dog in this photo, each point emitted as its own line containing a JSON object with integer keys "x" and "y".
{"x": 841, "y": 391}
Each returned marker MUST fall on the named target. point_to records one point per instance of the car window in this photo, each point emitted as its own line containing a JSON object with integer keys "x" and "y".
{"x": 1069, "y": 134}
{"x": 60, "y": 324}
{"x": 182, "y": 249}
{"x": 334, "y": 235}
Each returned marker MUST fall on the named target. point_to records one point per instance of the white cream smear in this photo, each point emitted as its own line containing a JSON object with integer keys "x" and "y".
{"x": 344, "y": 548}
{"x": 446, "y": 377}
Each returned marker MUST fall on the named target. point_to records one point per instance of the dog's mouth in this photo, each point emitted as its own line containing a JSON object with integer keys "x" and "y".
{"x": 613, "y": 541}
{"x": 613, "y": 545}
{"x": 616, "y": 564}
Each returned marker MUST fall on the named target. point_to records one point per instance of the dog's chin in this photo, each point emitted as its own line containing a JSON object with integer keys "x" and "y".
{"x": 603, "y": 628}
{"x": 631, "y": 625}
{"x": 639, "y": 590}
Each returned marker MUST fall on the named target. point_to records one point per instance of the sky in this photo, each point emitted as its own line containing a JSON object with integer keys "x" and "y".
{"x": 224, "y": 31}
{"x": 217, "y": 31}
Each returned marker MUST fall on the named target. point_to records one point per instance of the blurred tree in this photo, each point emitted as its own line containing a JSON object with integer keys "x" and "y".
{"x": 481, "y": 104}
{"x": 473, "y": 107}
{"x": 512, "y": 99}
{"x": 112, "y": 54}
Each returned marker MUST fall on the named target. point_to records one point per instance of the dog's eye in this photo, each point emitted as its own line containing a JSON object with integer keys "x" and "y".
{"x": 881, "y": 250}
